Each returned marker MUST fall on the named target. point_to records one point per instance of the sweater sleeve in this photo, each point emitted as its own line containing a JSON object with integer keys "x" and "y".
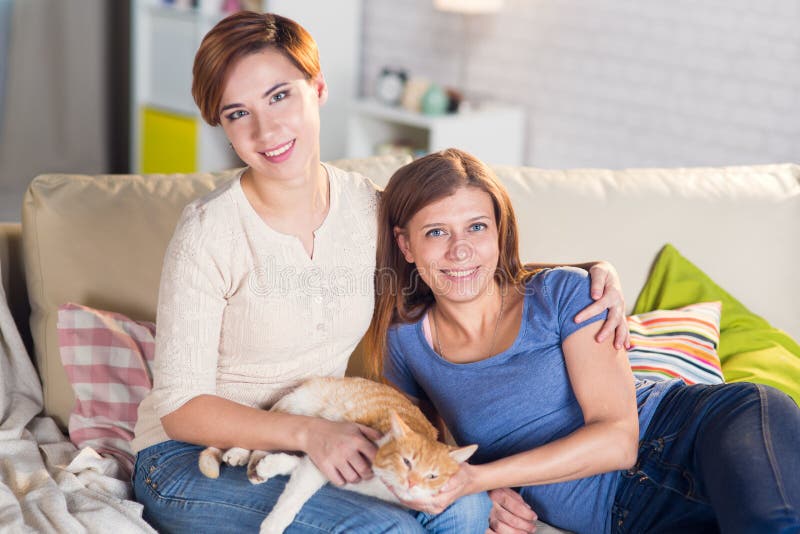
{"x": 191, "y": 301}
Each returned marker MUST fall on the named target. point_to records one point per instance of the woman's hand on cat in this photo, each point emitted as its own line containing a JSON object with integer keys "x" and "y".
{"x": 456, "y": 487}
{"x": 510, "y": 513}
{"x": 606, "y": 290}
{"x": 342, "y": 451}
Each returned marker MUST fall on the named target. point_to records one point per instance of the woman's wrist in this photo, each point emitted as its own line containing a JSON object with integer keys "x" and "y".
{"x": 477, "y": 479}
{"x": 300, "y": 432}
{"x": 288, "y": 432}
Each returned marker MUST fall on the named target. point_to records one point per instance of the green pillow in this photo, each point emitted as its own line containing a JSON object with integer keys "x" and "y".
{"x": 750, "y": 349}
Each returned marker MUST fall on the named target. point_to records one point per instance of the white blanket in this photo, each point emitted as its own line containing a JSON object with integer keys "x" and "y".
{"x": 46, "y": 484}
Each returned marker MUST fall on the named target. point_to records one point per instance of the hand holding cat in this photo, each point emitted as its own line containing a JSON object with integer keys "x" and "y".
{"x": 510, "y": 513}
{"x": 456, "y": 487}
{"x": 606, "y": 291}
{"x": 342, "y": 451}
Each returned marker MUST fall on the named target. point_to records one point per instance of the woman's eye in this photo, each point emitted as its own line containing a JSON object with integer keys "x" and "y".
{"x": 407, "y": 462}
{"x": 277, "y": 97}
{"x": 238, "y": 114}
{"x": 436, "y": 232}
{"x": 477, "y": 227}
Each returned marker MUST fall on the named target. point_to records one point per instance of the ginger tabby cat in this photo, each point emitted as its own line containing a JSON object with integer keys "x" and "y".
{"x": 409, "y": 459}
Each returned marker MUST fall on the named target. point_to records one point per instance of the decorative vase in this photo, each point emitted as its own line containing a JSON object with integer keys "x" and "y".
{"x": 435, "y": 100}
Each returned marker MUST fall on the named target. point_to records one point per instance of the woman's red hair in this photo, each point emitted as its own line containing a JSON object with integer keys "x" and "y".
{"x": 241, "y": 34}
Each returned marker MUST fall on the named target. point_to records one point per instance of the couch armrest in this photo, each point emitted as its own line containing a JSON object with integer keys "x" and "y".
{"x": 13, "y": 275}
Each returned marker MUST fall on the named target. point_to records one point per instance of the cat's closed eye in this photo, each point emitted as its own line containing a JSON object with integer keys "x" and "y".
{"x": 432, "y": 476}
{"x": 407, "y": 462}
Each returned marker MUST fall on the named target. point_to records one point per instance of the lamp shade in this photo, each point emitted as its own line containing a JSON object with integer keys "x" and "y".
{"x": 468, "y": 6}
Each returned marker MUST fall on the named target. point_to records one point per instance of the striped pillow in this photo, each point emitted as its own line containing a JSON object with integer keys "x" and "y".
{"x": 680, "y": 343}
{"x": 106, "y": 356}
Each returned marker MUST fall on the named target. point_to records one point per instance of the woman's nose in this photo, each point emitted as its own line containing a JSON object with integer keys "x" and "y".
{"x": 264, "y": 126}
{"x": 461, "y": 250}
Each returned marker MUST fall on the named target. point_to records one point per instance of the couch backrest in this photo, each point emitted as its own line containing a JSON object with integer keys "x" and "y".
{"x": 740, "y": 225}
{"x": 100, "y": 240}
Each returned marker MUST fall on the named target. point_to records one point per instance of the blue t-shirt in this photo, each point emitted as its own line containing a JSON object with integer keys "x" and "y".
{"x": 521, "y": 398}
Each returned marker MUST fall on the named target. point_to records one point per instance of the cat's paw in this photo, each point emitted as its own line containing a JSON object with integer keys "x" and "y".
{"x": 255, "y": 459}
{"x": 271, "y": 465}
{"x": 208, "y": 462}
{"x": 236, "y": 456}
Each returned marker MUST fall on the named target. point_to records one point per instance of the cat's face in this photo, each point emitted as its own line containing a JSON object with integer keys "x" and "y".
{"x": 415, "y": 467}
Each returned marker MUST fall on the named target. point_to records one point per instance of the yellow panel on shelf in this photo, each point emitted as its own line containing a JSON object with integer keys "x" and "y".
{"x": 169, "y": 142}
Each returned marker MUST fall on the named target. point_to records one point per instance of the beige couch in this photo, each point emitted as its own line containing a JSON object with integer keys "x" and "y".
{"x": 99, "y": 240}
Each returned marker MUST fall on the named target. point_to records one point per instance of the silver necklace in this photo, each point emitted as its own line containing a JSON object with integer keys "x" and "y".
{"x": 440, "y": 350}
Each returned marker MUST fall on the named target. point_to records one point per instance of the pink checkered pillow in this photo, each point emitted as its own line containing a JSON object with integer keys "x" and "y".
{"x": 106, "y": 356}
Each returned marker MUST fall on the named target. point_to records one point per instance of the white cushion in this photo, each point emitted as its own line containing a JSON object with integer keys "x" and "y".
{"x": 741, "y": 225}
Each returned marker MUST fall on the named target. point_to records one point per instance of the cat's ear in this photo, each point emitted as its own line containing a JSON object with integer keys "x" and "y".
{"x": 399, "y": 427}
{"x": 462, "y": 454}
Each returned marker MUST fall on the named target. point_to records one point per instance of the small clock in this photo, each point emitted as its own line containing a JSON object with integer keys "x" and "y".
{"x": 390, "y": 85}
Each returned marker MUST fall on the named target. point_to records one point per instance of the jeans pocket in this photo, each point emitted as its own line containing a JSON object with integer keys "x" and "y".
{"x": 663, "y": 461}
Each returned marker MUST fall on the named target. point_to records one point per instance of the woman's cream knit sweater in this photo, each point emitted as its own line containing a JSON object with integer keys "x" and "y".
{"x": 244, "y": 313}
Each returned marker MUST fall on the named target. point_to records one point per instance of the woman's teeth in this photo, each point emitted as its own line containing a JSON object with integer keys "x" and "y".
{"x": 279, "y": 151}
{"x": 460, "y": 273}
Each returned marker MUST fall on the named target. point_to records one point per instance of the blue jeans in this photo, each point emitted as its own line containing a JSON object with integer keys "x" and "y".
{"x": 715, "y": 458}
{"x": 178, "y": 498}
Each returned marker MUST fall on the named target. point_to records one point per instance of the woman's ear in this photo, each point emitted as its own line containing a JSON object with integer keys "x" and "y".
{"x": 402, "y": 241}
{"x": 321, "y": 87}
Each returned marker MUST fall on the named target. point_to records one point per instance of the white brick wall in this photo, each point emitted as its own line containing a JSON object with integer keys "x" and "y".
{"x": 616, "y": 83}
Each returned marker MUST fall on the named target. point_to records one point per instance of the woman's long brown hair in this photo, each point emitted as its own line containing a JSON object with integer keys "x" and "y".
{"x": 401, "y": 296}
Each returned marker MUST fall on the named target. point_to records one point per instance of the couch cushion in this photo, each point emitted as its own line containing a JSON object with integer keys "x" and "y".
{"x": 750, "y": 349}
{"x": 99, "y": 241}
{"x": 107, "y": 359}
{"x": 677, "y": 343}
{"x": 740, "y": 225}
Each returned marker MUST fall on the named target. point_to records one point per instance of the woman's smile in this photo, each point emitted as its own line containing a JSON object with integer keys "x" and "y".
{"x": 280, "y": 153}
{"x": 463, "y": 273}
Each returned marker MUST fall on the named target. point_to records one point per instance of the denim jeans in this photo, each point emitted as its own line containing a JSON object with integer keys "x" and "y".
{"x": 715, "y": 458}
{"x": 178, "y": 498}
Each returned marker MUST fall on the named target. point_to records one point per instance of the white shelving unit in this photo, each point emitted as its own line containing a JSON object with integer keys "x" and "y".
{"x": 168, "y": 134}
{"x": 493, "y": 132}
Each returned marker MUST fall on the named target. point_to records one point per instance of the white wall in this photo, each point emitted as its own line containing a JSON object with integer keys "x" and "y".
{"x": 617, "y": 83}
